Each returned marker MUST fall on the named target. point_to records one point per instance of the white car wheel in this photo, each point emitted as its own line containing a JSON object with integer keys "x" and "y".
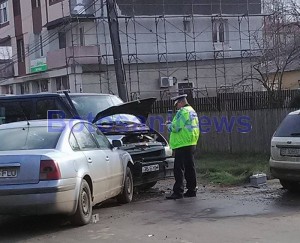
{"x": 127, "y": 193}
{"x": 83, "y": 213}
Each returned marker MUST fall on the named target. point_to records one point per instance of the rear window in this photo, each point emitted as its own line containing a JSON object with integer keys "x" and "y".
{"x": 45, "y": 105}
{"x": 290, "y": 127}
{"x": 22, "y": 110}
{"x": 11, "y": 111}
{"x": 26, "y": 138}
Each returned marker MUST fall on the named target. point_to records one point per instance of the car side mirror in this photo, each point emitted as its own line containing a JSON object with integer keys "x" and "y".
{"x": 116, "y": 143}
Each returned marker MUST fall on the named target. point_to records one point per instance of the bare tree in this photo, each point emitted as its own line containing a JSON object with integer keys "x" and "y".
{"x": 278, "y": 48}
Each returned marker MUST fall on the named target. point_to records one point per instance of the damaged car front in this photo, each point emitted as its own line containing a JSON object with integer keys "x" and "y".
{"x": 150, "y": 151}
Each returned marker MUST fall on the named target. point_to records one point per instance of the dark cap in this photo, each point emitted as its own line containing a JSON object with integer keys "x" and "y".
{"x": 178, "y": 98}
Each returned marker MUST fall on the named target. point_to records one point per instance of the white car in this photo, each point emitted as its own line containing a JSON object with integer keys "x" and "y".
{"x": 285, "y": 152}
{"x": 60, "y": 167}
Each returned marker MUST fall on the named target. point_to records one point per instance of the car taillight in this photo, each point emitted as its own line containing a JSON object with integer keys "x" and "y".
{"x": 49, "y": 170}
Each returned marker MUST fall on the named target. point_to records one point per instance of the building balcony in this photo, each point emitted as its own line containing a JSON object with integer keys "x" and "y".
{"x": 77, "y": 55}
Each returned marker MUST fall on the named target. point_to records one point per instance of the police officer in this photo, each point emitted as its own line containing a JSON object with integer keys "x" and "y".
{"x": 184, "y": 135}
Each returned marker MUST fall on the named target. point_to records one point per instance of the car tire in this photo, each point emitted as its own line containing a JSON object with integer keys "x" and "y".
{"x": 127, "y": 193}
{"x": 84, "y": 209}
{"x": 292, "y": 186}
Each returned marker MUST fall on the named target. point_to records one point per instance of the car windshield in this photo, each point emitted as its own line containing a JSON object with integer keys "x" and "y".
{"x": 27, "y": 138}
{"x": 290, "y": 127}
{"x": 89, "y": 106}
{"x": 119, "y": 119}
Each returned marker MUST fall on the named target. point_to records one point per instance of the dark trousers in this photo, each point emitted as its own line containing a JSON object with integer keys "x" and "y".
{"x": 184, "y": 165}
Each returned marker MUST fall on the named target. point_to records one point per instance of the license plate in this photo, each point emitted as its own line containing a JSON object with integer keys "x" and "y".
{"x": 150, "y": 168}
{"x": 8, "y": 173}
{"x": 290, "y": 152}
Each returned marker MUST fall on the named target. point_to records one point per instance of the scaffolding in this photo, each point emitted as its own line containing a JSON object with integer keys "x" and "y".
{"x": 157, "y": 31}
{"x": 210, "y": 58}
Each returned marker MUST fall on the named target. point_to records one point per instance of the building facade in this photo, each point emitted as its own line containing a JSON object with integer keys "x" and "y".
{"x": 202, "y": 47}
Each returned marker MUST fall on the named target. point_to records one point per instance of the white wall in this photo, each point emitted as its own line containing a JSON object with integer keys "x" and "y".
{"x": 145, "y": 38}
{"x": 148, "y": 76}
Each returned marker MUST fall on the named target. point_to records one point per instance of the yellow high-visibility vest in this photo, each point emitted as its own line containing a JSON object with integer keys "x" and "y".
{"x": 184, "y": 130}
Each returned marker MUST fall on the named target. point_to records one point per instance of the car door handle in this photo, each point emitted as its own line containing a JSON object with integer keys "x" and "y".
{"x": 107, "y": 158}
{"x": 90, "y": 160}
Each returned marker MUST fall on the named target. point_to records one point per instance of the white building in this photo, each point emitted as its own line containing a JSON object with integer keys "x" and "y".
{"x": 166, "y": 45}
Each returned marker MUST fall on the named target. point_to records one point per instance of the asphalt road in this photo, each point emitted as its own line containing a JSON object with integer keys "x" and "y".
{"x": 240, "y": 214}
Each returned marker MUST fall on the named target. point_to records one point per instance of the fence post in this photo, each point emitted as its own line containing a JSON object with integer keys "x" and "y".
{"x": 218, "y": 103}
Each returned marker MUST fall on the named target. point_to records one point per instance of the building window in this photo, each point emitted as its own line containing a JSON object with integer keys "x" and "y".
{"x": 43, "y": 86}
{"x": 17, "y": 7}
{"x": 78, "y": 7}
{"x": 62, "y": 83}
{"x": 11, "y": 89}
{"x": 35, "y": 3}
{"x": 62, "y": 40}
{"x": 25, "y": 88}
{"x": 51, "y": 2}
{"x": 20, "y": 50}
{"x": 220, "y": 31}
{"x": 81, "y": 36}
{"x": 7, "y": 89}
{"x": 3, "y": 12}
{"x": 187, "y": 24}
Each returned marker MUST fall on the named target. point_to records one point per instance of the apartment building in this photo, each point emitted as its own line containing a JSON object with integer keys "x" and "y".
{"x": 166, "y": 45}
{"x": 39, "y": 32}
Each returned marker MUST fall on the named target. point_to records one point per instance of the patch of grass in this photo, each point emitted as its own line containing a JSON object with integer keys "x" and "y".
{"x": 230, "y": 169}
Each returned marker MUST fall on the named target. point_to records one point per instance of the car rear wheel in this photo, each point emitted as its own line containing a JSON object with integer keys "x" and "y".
{"x": 292, "y": 186}
{"x": 83, "y": 213}
{"x": 127, "y": 193}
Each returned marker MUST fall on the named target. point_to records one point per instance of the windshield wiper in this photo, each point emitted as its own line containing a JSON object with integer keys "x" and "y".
{"x": 295, "y": 134}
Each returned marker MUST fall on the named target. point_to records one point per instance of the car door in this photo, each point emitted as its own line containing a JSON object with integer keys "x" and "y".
{"x": 115, "y": 165}
{"x": 96, "y": 159}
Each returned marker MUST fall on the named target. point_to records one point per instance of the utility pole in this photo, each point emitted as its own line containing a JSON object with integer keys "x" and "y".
{"x": 116, "y": 48}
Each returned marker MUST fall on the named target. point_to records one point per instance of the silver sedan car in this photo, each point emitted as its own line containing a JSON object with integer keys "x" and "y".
{"x": 60, "y": 167}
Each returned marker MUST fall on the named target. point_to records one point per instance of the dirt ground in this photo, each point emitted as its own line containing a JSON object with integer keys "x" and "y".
{"x": 272, "y": 189}
{"x": 267, "y": 214}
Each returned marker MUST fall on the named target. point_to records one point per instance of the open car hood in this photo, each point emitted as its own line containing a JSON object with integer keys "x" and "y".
{"x": 140, "y": 108}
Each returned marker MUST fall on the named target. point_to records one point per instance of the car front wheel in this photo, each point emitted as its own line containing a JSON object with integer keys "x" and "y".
{"x": 83, "y": 213}
{"x": 127, "y": 193}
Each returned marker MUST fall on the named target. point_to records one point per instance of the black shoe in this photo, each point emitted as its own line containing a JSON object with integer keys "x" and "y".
{"x": 190, "y": 194}
{"x": 174, "y": 196}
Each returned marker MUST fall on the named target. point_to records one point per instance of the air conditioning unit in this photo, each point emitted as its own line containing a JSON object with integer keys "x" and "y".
{"x": 166, "y": 82}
